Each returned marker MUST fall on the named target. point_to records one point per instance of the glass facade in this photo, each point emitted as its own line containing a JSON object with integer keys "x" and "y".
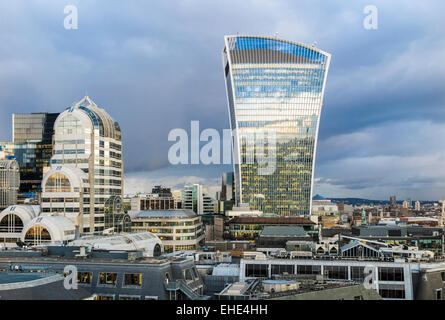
{"x": 274, "y": 87}
{"x": 32, "y": 146}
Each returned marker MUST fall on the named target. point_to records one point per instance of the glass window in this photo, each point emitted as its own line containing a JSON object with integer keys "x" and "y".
{"x": 278, "y": 269}
{"x": 257, "y": 270}
{"x": 336, "y": 272}
{"x": 104, "y": 297}
{"x": 57, "y": 182}
{"x": 37, "y": 234}
{"x": 107, "y": 278}
{"x": 133, "y": 279}
{"x": 84, "y": 277}
{"x": 391, "y": 274}
{"x": 392, "y": 291}
{"x": 308, "y": 269}
{"x": 358, "y": 274}
{"x": 125, "y": 297}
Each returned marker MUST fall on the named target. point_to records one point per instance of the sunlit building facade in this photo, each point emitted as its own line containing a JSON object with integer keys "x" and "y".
{"x": 275, "y": 87}
{"x": 86, "y": 167}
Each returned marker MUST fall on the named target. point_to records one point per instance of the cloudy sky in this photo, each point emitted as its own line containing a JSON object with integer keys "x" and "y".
{"x": 156, "y": 66}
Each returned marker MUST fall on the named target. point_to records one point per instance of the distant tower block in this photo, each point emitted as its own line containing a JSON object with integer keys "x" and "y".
{"x": 442, "y": 217}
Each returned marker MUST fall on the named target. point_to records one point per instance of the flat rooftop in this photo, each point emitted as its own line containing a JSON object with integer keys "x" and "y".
{"x": 12, "y": 277}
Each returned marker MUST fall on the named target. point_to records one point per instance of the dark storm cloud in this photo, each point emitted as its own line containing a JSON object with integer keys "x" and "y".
{"x": 156, "y": 65}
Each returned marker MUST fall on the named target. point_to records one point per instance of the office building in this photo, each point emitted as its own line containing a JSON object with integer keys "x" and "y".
{"x": 393, "y": 201}
{"x": 105, "y": 274}
{"x": 250, "y": 227}
{"x": 177, "y": 229}
{"x": 158, "y": 199}
{"x": 275, "y": 91}
{"x": 32, "y": 147}
{"x": 226, "y": 197}
{"x": 9, "y": 182}
{"x": 394, "y": 279}
{"x": 196, "y": 198}
{"x": 417, "y": 206}
{"x": 177, "y": 198}
{"x": 85, "y": 181}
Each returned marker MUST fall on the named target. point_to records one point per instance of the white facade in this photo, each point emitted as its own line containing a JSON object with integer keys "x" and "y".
{"x": 12, "y": 221}
{"x": 146, "y": 242}
{"x": 405, "y": 283}
{"x": 86, "y": 166}
{"x": 48, "y": 230}
{"x": 243, "y": 210}
{"x": 196, "y": 198}
{"x": 417, "y": 206}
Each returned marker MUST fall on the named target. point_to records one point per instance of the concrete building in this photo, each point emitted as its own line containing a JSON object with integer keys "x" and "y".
{"x": 242, "y": 210}
{"x": 86, "y": 168}
{"x": 249, "y": 228}
{"x": 417, "y": 206}
{"x": 178, "y": 229}
{"x": 392, "y": 201}
{"x": 294, "y": 290}
{"x": 196, "y": 198}
{"x": 393, "y": 280}
{"x": 423, "y": 238}
{"x": 158, "y": 199}
{"x": 107, "y": 274}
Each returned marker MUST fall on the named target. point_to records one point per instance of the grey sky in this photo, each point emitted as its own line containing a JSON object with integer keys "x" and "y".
{"x": 156, "y": 65}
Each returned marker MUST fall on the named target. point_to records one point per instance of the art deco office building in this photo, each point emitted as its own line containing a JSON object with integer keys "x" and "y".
{"x": 276, "y": 87}
{"x": 86, "y": 167}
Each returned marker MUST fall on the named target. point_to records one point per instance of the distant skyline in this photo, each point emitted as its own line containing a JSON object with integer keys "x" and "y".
{"x": 156, "y": 66}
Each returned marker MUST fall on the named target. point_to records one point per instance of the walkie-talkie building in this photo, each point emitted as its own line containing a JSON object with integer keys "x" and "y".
{"x": 274, "y": 89}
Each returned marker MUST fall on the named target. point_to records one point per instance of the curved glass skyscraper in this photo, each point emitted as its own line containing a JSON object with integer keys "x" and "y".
{"x": 275, "y": 93}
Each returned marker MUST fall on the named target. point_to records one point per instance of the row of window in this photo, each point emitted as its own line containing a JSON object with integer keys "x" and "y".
{"x": 331, "y": 272}
{"x": 124, "y": 297}
{"x": 70, "y": 151}
{"x": 165, "y": 223}
{"x": 60, "y": 200}
{"x": 110, "y": 278}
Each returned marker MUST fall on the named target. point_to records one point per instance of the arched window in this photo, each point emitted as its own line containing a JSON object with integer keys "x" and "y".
{"x": 11, "y": 223}
{"x": 57, "y": 182}
{"x": 69, "y": 125}
{"x": 37, "y": 234}
{"x": 157, "y": 251}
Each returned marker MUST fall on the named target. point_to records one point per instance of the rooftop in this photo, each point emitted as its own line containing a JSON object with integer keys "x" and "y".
{"x": 283, "y": 231}
{"x": 271, "y": 220}
{"x": 163, "y": 214}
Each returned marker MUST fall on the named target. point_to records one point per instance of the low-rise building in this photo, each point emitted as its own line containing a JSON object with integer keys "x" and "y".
{"x": 393, "y": 280}
{"x": 107, "y": 275}
{"x": 178, "y": 229}
{"x": 249, "y": 228}
{"x": 159, "y": 199}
